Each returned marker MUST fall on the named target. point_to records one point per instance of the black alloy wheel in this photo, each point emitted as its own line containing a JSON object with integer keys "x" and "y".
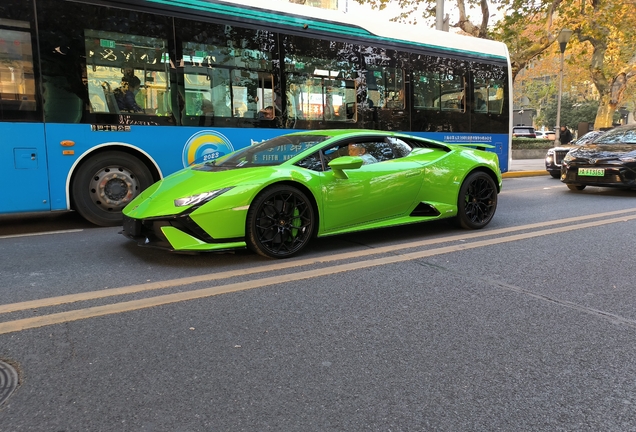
{"x": 477, "y": 201}
{"x": 280, "y": 222}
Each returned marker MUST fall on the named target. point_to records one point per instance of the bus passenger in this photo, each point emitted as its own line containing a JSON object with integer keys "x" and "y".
{"x": 480, "y": 103}
{"x": 266, "y": 113}
{"x": 207, "y": 113}
{"x": 125, "y": 95}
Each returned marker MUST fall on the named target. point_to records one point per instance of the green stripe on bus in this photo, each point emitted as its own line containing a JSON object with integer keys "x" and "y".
{"x": 340, "y": 29}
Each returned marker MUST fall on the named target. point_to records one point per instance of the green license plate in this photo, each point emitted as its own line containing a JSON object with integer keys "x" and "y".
{"x": 592, "y": 172}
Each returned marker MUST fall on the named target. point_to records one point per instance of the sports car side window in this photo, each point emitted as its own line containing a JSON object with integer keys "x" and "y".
{"x": 380, "y": 150}
{"x": 311, "y": 162}
{"x": 400, "y": 148}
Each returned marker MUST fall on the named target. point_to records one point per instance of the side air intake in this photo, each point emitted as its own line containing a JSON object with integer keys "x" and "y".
{"x": 424, "y": 209}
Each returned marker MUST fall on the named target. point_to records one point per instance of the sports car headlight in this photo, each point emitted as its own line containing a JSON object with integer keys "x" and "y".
{"x": 628, "y": 159}
{"x": 568, "y": 157}
{"x": 199, "y": 198}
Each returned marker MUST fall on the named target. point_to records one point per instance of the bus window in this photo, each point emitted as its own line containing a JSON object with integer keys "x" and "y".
{"x": 206, "y": 95}
{"x": 488, "y": 85}
{"x": 227, "y": 73}
{"x": 306, "y": 95}
{"x": 17, "y": 83}
{"x": 385, "y": 87}
{"x": 481, "y": 95}
{"x": 127, "y": 73}
{"x": 320, "y": 97}
{"x": 496, "y": 98}
{"x": 426, "y": 90}
{"x": 452, "y": 93}
{"x": 252, "y": 92}
{"x": 319, "y": 75}
{"x": 341, "y": 96}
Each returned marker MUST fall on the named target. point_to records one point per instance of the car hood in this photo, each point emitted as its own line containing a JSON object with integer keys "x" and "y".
{"x": 604, "y": 151}
{"x": 158, "y": 199}
{"x": 563, "y": 148}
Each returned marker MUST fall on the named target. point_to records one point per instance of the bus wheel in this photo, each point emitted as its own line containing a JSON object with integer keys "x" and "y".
{"x": 105, "y": 183}
{"x": 477, "y": 201}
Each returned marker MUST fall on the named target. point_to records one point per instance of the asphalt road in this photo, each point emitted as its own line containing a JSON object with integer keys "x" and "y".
{"x": 527, "y": 325}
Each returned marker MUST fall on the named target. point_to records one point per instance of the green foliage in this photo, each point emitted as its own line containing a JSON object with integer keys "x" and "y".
{"x": 531, "y": 144}
{"x": 572, "y": 113}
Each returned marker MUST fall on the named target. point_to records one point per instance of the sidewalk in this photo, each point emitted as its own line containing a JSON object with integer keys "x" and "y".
{"x": 526, "y": 168}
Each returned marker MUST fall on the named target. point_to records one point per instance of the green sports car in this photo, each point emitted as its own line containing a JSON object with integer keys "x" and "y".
{"x": 274, "y": 196}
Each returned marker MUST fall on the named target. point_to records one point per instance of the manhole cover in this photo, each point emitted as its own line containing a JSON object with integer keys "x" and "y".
{"x": 8, "y": 381}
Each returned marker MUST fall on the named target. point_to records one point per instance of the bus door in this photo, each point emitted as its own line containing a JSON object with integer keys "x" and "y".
{"x": 23, "y": 166}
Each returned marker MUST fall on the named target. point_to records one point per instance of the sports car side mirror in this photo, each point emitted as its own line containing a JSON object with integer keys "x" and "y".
{"x": 343, "y": 163}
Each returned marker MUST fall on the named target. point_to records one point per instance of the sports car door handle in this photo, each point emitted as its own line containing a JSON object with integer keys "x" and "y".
{"x": 413, "y": 173}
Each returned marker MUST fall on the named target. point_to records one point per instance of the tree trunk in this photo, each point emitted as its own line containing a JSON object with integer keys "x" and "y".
{"x": 610, "y": 101}
{"x": 605, "y": 112}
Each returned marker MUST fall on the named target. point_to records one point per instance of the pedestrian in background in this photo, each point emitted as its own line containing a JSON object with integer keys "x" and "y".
{"x": 565, "y": 136}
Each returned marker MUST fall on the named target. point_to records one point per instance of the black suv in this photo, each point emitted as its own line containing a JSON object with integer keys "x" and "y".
{"x": 523, "y": 132}
{"x": 555, "y": 155}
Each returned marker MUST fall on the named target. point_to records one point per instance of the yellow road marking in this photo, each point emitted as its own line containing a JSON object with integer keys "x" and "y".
{"x": 131, "y": 289}
{"x": 91, "y": 312}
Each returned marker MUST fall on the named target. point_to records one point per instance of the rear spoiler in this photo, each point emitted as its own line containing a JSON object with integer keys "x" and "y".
{"x": 478, "y": 146}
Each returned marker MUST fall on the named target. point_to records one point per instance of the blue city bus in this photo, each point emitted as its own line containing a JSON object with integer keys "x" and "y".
{"x": 101, "y": 98}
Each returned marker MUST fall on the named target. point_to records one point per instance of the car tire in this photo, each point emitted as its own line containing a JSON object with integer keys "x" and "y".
{"x": 280, "y": 222}
{"x": 573, "y": 187}
{"x": 555, "y": 174}
{"x": 477, "y": 201}
{"x": 105, "y": 183}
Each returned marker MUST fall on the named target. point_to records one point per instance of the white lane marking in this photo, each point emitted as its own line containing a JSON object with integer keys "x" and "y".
{"x": 40, "y": 234}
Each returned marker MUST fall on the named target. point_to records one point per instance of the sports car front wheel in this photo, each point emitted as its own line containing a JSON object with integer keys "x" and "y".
{"x": 477, "y": 201}
{"x": 280, "y": 222}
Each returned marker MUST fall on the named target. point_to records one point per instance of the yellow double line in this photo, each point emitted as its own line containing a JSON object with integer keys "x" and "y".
{"x": 496, "y": 236}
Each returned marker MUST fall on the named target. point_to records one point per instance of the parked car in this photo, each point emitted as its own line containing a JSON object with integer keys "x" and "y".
{"x": 555, "y": 155}
{"x": 541, "y": 134}
{"x": 523, "y": 132}
{"x": 607, "y": 160}
{"x": 274, "y": 196}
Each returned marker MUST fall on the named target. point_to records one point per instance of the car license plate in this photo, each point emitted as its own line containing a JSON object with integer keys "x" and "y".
{"x": 592, "y": 172}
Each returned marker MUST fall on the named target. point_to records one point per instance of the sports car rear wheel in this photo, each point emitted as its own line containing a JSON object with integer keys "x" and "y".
{"x": 477, "y": 201}
{"x": 280, "y": 222}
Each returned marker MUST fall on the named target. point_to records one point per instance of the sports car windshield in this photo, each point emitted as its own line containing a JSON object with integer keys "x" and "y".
{"x": 271, "y": 152}
{"x": 618, "y": 136}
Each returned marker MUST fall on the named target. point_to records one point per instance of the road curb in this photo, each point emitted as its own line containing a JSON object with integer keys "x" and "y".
{"x": 510, "y": 174}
